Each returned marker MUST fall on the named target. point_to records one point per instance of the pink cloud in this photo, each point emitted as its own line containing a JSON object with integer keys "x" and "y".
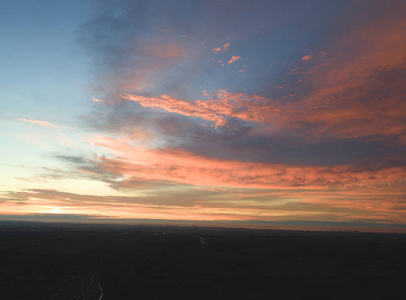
{"x": 181, "y": 166}
{"x": 223, "y": 48}
{"x": 337, "y": 82}
{"x": 39, "y": 122}
{"x": 165, "y": 51}
{"x": 44, "y": 123}
{"x": 98, "y": 100}
{"x": 157, "y": 59}
{"x": 358, "y": 92}
{"x": 223, "y": 104}
{"x": 307, "y": 57}
{"x": 233, "y": 59}
{"x": 206, "y": 93}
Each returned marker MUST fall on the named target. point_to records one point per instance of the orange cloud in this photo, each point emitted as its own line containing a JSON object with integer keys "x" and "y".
{"x": 44, "y": 123}
{"x": 165, "y": 51}
{"x": 180, "y": 166}
{"x": 157, "y": 60}
{"x": 39, "y": 122}
{"x": 206, "y": 93}
{"x": 223, "y": 104}
{"x": 111, "y": 207}
{"x": 233, "y": 59}
{"x": 98, "y": 100}
{"x": 359, "y": 90}
{"x": 307, "y": 57}
{"x": 223, "y": 48}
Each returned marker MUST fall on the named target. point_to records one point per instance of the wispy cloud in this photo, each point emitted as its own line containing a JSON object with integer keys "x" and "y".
{"x": 358, "y": 85}
{"x": 216, "y": 204}
{"x": 43, "y": 123}
{"x": 307, "y": 57}
{"x": 222, "y": 105}
{"x": 223, "y": 48}
{"x": 318, "y": 137}
{"x": 233, "y": 59}
{"x": 39, "y": 122}
{"x": 181, "y": 166}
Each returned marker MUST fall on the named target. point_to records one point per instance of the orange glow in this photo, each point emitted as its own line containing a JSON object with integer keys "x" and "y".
{"x": 240, "y": 105}
{"x": 38, "y": 122}
{"x": 223, "y": 48}
{"x": 184, "y": 167}
{"x": 233, "y": 59}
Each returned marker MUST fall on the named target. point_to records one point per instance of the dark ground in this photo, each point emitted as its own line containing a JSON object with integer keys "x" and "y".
{"x": 66, "y": 261}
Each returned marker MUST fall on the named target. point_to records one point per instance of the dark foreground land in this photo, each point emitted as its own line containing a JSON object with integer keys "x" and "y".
{"x": 61, "y": 261}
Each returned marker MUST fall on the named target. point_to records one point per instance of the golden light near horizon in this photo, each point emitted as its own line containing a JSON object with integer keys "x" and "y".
{"x": 285, "y": 112}
{"x": 56, "y": 210}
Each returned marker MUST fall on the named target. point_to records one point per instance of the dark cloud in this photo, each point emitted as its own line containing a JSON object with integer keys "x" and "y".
{"x": 340, "y": 113}
{"x": 154, "y": 194}
{"x": 52, "y": 217}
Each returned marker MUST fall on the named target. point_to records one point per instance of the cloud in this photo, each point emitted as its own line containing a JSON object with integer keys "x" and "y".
{"x": 44, "y": 123}
{"x": 357, "y": 89}
{"x": 222, "y": 105}
{"x": 177, "y": 205}
{"x": 98, "y": 100}
{"x": 342, "y": 136}
{"x": 307, "y": 57}
{"x": 39, "y": 122}
{"x": 233, "y": 59}
{"x": 216, "y": 204}
{"x": 223, "y": 48}
{"x": 125, "y": 60}
{"x": 180, "y": 166}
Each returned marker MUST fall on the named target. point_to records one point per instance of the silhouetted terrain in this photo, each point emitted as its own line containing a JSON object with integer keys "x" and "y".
{"x": 67, "y": 261}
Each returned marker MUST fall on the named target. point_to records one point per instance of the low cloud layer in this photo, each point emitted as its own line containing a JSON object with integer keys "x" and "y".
{"x": 217, "y": 111}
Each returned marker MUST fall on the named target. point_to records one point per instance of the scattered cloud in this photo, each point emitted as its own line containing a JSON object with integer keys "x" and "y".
{"x": 222, "y": 105}
{"x": 325, "y": 144}
{"x": 223, "y": 48}
{"x": 178, "y": 165}
{"x": 39, "y": 122}
{"x": 359, "y": 92}
{"x": 44, "y": 123}
{"x": 233, "y": 59}
{"x": 206, "y": 93}
{"x": 307, "y": 57}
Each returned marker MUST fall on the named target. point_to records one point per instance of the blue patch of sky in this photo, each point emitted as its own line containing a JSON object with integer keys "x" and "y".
{"x": 43, "y": 71}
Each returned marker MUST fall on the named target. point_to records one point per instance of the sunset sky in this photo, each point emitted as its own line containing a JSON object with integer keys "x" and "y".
{"x": 281, "y": 114}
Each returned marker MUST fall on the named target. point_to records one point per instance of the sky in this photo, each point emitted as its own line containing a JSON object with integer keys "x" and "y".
{"x": 278, "y": 114}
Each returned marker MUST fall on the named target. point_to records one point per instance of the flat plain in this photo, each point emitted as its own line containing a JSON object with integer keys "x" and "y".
{"x": 89, "y": 261}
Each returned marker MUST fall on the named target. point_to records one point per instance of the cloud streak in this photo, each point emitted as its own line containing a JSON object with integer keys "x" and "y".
{"x": 39, "y": 122}
{"x": 43, "y": 123}
{"x": 223, "y": 48}
{"x": 222, "y": 105}
{"x": 187, "y": 133}
{"x": 233, "y": 59}
{"x": 180, "y": 166}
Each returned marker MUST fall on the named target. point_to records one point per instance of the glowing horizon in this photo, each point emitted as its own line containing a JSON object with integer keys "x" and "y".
{"x": 287, "y": 113}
